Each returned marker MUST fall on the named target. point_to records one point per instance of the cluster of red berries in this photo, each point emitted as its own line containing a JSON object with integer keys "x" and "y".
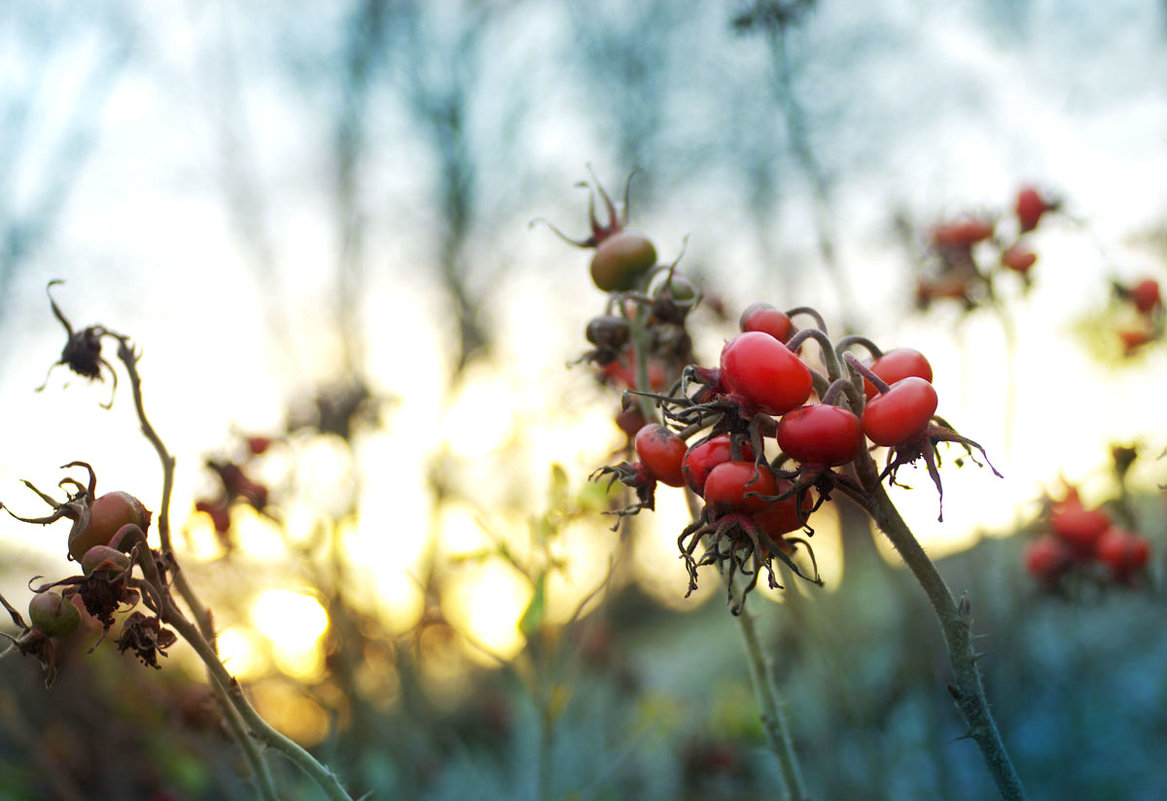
{"x": 1142, "y": 314}
{"x": 963, "y": 255}
{"x": 720, "y": 423}
{"x": 764, "y": 438}
{"x": 1085, "y": 543}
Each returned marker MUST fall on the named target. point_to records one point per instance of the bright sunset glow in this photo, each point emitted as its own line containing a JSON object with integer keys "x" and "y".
{"x": 292, "y": 623}
{"x": 486, "y": 601}
{"x": 241, "y": 651}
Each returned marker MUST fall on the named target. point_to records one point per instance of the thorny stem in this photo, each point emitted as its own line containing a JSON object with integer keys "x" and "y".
{"x": 769, "y": 700}
{"x": 324, "y": 778}
{"x": 955, "y": 623}
{"x": 245, "y": 724}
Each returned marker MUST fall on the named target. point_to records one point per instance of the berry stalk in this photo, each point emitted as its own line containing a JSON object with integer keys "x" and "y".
{"x": 955, "y": 621}
{"x": 771, "y": 706}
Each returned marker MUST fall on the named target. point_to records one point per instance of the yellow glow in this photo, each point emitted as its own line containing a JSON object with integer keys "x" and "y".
{"x": 378, "y": 681}
{"x": 290, "y": 711}
{"x": 200, "y": 539}
{"x": 293, "y": 623}
{"x": 586, "y": 548}
{"x": 401, "y": 600}
{"x": 257, "y": 535}
{"x": 486, "y": 601}
{"x": 658, "y": 566}
{"x": 480, "y": 418}
{"x": 242, "y": 653}
{"x": 462, "y": 533}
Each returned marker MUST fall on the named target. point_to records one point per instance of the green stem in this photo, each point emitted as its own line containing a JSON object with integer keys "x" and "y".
{"x": 640, "y": 346}
{"x": 259, "y": 728}
{"x": 546, "y": 743}
{"x": 771, "y": 708}
{"x": 956, "y": 624}
{"x": 769, "y": 700}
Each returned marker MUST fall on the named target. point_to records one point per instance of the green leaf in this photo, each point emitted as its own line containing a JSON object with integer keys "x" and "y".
{"x": 536, "y": 610}
{"x": 557, "y": 496}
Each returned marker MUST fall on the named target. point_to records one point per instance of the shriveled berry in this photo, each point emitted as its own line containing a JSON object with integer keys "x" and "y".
{"x": 607, "y": 331}
{"x": 103, "y": 557}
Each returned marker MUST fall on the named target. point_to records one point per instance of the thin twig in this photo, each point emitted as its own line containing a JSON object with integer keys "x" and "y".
{"x": 244, "y": 723}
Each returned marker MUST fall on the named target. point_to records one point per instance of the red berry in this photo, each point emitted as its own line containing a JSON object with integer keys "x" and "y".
{"x": 901, "y": 413}
{"x": 765, "y": 318}
{"x": 961, "y": 234}
{"x": 1078, "y": 527}
{"x": 258, "y": 445}
{"x": 1122, "y": 550}
{"x": 821, "y": 435}
{"x": 104, "y": 557}
{"x": 728, "y": 485}
{"x": 1133, "y": 339}
{"x": 1145, "y": 295}
{"x": 765, "y": 373}
{"x": 630, "y": 421}
{"x": 107, "y": 515}
{"x": 662, "y": 451}
{"x": 621, "y": 372}
{"x": 779, "y": 517}
{"x": 1046, "y": 557}
{"x": 704, "y": 457}
{"x": 897, "y": 364}
{"x": 1018, "y": 259}
{"x": 1030, "y": 208}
